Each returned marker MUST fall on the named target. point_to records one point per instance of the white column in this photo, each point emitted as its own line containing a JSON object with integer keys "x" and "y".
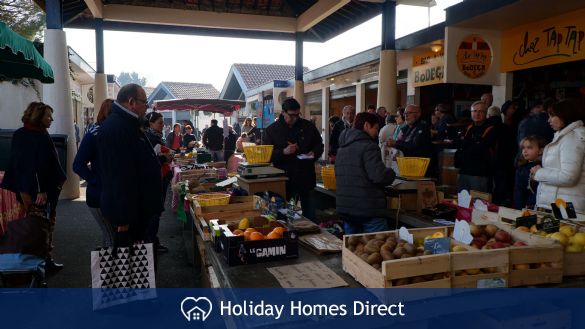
{"x": 100, "y": 92}
{"x": 58, "y": 96}
{"x": 300, "y": 97}
{"x": 387, "y": 88}
{"x": 360, "y": 97}
{"x": 503, "y": 91}
{"x": 325, "y": 121}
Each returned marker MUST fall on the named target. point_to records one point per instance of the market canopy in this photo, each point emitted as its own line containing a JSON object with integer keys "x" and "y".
{"x": 20, "y": 59}
{"x": 222, "y": 106}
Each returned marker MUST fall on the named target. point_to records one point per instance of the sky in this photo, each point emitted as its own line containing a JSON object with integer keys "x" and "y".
{"x": 181, "y": 58}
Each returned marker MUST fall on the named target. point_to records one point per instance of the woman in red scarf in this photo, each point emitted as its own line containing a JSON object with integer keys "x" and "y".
{"x": 34, "y": 172}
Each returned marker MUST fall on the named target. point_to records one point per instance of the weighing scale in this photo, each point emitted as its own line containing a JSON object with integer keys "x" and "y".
{"x": 259, "y": 170}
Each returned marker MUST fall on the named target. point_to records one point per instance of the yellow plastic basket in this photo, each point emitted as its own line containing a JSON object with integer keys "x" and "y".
{"x": 258, "y": 153}
{"x": 328, "y": 175}
{"x": 412, "y": 167}
{"x": 212, "y": 199}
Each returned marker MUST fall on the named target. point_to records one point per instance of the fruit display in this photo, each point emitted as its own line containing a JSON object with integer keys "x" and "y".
{"x": 568, "y": 236}
{"x": 393, "y": 262}
{"x": 263, "y": 227}
{"x": 491, "y": 237}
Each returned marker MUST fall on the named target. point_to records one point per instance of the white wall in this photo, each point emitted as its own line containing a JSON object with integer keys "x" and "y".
{"x": 13, "y": 101}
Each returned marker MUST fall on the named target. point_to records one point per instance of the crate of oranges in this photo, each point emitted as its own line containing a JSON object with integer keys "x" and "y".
{"x": 257, "y": 240}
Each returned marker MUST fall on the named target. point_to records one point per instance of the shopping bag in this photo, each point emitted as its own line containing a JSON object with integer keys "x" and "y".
{"x": 122, "y": 275}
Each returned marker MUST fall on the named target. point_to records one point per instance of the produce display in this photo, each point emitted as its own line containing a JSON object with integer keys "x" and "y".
{"x": 568, "y": 236}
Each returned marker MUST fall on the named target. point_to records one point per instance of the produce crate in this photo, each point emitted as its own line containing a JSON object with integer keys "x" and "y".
{"x": 237, "y": 251}
{"x": 476, "y": 268}
{"x": 238, "y": 208}
{"x": 197, "y": 174}
{"x": 539, "y": 262}
{"x": 435, "y": 267}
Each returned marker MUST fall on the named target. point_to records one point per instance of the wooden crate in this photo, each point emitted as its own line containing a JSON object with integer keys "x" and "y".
{"x": 396, "y": 269}
{"x": 463, "y": 263}
{"x": 538, "y": 251}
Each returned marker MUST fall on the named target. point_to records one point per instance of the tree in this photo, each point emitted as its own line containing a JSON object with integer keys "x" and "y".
{"x": 23, "y": 17}
{"x": 125, "y": 78}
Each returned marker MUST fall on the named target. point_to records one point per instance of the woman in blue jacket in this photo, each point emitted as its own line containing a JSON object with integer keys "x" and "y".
{"x": 86, "y": 165}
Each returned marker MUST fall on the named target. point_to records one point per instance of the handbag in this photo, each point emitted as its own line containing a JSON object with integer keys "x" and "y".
{"x": 122, "y": 275}
{"x": 28, "y": 235}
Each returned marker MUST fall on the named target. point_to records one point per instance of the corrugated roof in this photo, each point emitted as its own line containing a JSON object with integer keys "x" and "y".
{"x": 255, "y": 75}
{"x": 191, "y": 90}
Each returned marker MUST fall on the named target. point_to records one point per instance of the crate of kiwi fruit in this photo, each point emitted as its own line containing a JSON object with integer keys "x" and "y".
{"x": 383, "y": 260}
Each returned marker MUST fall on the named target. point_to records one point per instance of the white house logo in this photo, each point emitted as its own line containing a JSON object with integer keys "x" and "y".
{"x": 197, "y": 309}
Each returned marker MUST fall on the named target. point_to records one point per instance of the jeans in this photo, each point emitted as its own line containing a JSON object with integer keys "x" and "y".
{"x": 369, "y": 226}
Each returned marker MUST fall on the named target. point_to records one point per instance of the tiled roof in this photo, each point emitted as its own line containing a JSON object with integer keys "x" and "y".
{"x": 191, "y": 90}
{"x": 255, "y": 75}
{"x": 148, "y": 90}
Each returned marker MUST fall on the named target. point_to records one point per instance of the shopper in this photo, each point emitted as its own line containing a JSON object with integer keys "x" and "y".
{"x": 525, "y": 186}
{"x": 562, "y": 174}
{"x": 360, "y": 178}
{"x": 537, "y": 122}
{"x": 174, "y": 139}
{"x": 153, "y": 131}
{"x": 189, "y": 140}
{"x": 129, "y": 169}
{"x": 229, "y": 144}
{"x": 400, "y": 123}
{"x": 476, "y": 151}
{"x": 86, "y": 165}
{"x": 34, "y": 172}
{"x": 348, "y": 114}
{"x": 386, "y": 133}
{"x": 382, "y": 113}
{"x": 503, "y": 162}
{"x": 213, "y": 141}
{"x": 297, "y": 145}
{"x": 445, "y": 118}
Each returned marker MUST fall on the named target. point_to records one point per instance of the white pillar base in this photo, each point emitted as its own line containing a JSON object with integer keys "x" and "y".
{"x": 100, "y": 92}
{"x": 300, "y": 97}
{"x": 58, "y": 96}
{"x": 387, "y": 87}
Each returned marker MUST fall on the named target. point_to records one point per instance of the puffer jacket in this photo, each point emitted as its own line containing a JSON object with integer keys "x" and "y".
{"x": 563, "y": 168}
{"x": 360, "y": 176}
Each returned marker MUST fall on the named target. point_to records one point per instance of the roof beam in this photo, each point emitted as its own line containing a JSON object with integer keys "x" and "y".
{"x": 177, "y": 17}
{"x": 318, "y": 12}
{"x": 96, "y": 7}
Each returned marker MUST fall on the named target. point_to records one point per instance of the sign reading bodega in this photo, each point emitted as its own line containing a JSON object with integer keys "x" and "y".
{"x": 554, "y": 40}
{"x": 474, "y": 56}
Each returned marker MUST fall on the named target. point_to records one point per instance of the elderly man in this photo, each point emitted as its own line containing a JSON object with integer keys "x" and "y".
{"x": 348, "y": 114}
{"x": 416, "y": 135}
{"x": 297, "y": 145}
{"x": 382, "y": 113}
{"x": 476, "y": 152}
{"x": 129, "y": 168}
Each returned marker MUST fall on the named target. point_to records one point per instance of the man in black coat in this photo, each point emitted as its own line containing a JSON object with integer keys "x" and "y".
{"x": 213, "y": 141}
{"x": 129, "y": 169}
{"x": 293, "y": 136}
{"x": 348, "y": 114}
{"x": 361, "y": 177}
{"x": 537, "y": 123}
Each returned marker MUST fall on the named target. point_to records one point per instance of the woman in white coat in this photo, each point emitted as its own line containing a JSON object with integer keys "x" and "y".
{"x": 562, "y": 174}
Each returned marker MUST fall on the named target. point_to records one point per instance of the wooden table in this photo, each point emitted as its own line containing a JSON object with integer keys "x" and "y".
{"x": 272, "y": 184}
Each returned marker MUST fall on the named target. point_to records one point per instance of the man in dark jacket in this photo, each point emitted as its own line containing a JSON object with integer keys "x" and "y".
{"x": 361, "y": 176}
{"x": 229, "y": 142}
{"x": 129, "y": 169}
{"x": 213, "y": 141}
{"x": 348, "y": 114}
{"x": 536, "y": 124}
{"x": 476, "y": 152}
{"x": 297, "y": 145}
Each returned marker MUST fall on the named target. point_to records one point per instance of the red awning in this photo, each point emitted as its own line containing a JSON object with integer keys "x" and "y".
{"x": 222, "y": 106}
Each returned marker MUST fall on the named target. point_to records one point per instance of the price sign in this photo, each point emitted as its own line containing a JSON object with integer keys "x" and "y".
{"x": 438, "y": 245}
{"x": 526, "y": 221}
{"x": 403, "y": 234}
{"x": 462, "y": 232}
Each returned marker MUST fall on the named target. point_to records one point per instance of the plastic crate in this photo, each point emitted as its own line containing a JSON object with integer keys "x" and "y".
{"x": 258, "y": 153}
{"x": 212, "y": 199}
{"x": 412, "y": 167}
{"x": 328, "y": 175}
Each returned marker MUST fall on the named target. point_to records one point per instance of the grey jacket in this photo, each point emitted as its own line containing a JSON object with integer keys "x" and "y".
{"x": 361, "y": 176}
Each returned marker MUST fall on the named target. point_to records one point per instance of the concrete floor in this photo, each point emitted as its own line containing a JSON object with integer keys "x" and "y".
{"x": 77, "y": 234}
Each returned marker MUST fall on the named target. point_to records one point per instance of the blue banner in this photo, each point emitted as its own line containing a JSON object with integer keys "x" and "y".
{"x": 293, "y": 308}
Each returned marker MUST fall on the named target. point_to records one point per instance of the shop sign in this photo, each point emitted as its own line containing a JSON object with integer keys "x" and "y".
{"x": 426, "y": 58}
{"x": 430, "y": 73}
{"x": 555, "y": 40}
{"x": 474, "y": 56}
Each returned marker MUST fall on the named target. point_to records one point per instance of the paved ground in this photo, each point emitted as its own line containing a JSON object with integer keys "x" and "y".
{"x": 77, "y": 234}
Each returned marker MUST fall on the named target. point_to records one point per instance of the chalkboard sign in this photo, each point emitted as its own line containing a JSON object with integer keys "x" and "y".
{"x": 526, "y": 221}
{"x": 438, "y": 245}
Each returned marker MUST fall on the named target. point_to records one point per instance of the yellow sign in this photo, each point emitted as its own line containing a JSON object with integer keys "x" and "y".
{"x": 554, "y": 40}
{"x": 430, "y": 73}
{"x": 474, "y": 56}
{"x": 425, "y": 58}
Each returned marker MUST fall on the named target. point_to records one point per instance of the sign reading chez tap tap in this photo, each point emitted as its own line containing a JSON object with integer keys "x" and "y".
{"x": 554, "y": 40}
{"x": 428, "y": 69}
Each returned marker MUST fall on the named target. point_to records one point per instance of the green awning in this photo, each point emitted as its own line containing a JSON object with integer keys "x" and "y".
{"x": 20, "y": 59}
